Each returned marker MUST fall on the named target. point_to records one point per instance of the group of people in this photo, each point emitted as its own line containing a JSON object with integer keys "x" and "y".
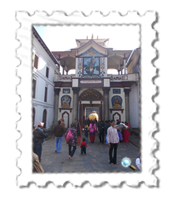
{"x": 101, "y": 127}
{"x": 112, "y": 132}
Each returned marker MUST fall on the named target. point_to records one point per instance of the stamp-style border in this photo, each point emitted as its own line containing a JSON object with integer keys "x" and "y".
{"x": 157, "y": 116}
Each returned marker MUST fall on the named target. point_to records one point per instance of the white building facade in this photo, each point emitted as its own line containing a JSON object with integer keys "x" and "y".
{"x": 44, "y": 66}
{"x": 91, "y": 88}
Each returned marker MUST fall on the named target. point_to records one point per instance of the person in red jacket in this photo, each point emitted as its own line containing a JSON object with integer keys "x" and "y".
{"x": 83, "y": 146}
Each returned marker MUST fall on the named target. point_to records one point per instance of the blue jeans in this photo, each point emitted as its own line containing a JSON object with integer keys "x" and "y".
{"x": 86, "y": 138}
{"x": 106, "y": 139}
{"x": 38, "y": 150}
{"x": 58, "y": 143}
{"x": 83, "y": 149}
{"x": 71, "y": 151}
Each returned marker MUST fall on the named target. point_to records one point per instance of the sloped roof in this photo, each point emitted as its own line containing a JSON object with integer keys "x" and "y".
{"x": 35, "y": 33}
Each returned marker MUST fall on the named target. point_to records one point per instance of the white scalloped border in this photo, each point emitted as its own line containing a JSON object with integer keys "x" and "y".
{"x": 148, "y": 106}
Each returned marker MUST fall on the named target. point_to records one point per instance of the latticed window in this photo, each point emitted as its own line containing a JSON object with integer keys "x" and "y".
{"x": 47, "y": 72}
{"x": 33, "y": 88}
{"x": 44, "y": 117}
{"x": 36, "y": 61}
{"x": 33, "y": 116}
{"x": 45, "y": 96}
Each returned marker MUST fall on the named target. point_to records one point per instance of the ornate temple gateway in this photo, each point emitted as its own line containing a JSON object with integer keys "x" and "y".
{"x": 91, "y": 88}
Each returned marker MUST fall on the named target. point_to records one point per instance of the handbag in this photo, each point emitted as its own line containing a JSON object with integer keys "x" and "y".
{"x": 69, "y": 136}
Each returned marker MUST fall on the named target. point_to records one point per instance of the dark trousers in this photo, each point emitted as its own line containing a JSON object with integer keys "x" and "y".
{"x": 83, "y": 149}
{"x": 113, "y": 159}
{"x": 101, "y": 136}
{"x": 38, "y": 150}
{"x": 72, "y": 151}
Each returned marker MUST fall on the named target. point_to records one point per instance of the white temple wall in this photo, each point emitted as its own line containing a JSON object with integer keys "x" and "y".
{"x": 60, "y": 112}
{"x": 122, "y": 95}
{"x": 42, "y": 81}
{"x": 134, "y": 106}
{"x": 84, "y": 89}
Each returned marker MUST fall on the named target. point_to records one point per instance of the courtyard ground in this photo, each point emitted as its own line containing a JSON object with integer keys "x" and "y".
{"x": 96, "y": 160}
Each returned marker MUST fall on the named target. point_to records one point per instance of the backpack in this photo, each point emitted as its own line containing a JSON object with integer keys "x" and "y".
{"x": 69, "y": 136}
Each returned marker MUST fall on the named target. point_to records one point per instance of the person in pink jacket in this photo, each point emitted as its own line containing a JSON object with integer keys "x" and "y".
{"x": 92, "y": 129}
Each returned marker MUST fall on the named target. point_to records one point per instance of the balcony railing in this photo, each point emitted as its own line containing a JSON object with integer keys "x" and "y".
{"x": 63, "y": 77}
{"x": 123, "y": 77}
{"x": 113, "y": 78}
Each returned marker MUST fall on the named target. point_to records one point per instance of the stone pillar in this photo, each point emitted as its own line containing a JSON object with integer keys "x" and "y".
{"x": 81, "y": 113}
{"x": 127, "y": 109}
{"x": 124, "y": 66}
{"x": 63, "y": 70}
{"x": 106, "y": 103}
{"x": 75, "y": 103}
{"x": 100, "y": 116}
{"x": 56, "y": 105}
{"x": 103, "y": 111}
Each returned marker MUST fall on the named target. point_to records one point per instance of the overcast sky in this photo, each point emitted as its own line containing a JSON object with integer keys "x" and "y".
{"x": 62, "y": 38}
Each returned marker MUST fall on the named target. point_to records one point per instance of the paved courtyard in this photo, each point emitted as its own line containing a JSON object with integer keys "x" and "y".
{"x": 96, "y": 160}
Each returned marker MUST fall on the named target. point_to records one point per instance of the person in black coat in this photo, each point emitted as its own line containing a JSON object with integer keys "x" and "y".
{"x": 101, "y": 126}
{"x": 38, "y": 136}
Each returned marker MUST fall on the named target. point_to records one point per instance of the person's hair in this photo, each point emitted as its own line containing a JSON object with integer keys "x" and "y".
{"x": 73, "y": 125}
{"x": 93, "y": 122}
{"x": 59, "y": 122}
{"x": 112, "y": 121}
{"x": 84, "y": 139}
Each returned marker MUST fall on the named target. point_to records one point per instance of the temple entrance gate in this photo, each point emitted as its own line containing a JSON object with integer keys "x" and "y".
{"x": 90, "y": 100}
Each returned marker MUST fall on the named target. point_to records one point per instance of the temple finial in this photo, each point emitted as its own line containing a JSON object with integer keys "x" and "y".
{"x": 92, "y": 37}
{"x": 87, "y": 37}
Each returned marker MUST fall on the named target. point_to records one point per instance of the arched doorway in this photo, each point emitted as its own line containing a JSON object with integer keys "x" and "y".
{"x": 116, "y": 116}
{"x": 90, "y": 99}
{"x": 33, "y": 116}
{"x": 44, "y": 117}
{"x": 65, "y": 116}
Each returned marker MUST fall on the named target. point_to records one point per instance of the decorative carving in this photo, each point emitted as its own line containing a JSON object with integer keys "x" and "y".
{"x": 65, "y": 101}
{"x": 116, "y": 101}
{"x": 91, "y": 66}
{"x": 66, "y": 91}
{"x": 116, "y": 91}
{"x": 106, "y": 90}
{"x": 76, "y": 90}
{"x": 117, "y": 109}
{"x": 102, "y": 65}
{"x": 91, "y": 52}
{"x": 80, "y": 66}
{"x": 57, "y": 91}
{"x": 124, "y": 77}
{"x": 91, "y": 94}
{"x": 64, "y": 77}
{"x": 127, "y": 91}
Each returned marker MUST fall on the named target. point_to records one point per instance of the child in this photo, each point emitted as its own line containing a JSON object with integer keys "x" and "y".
{"x": 83, "y": 146}
{"x": 86, "y": 133}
